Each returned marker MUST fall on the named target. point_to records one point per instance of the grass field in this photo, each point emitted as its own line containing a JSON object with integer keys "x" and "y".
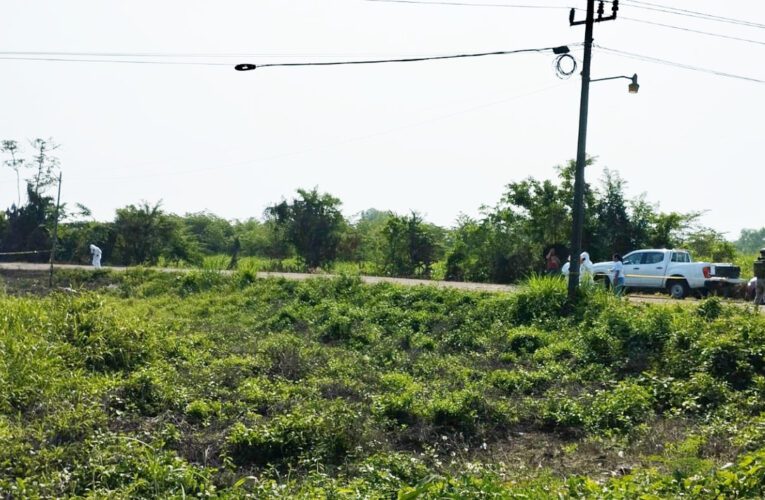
{"x": 200, "y": 385}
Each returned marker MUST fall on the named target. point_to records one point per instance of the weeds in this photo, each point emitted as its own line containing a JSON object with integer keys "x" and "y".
{"x": 210, "y": 385}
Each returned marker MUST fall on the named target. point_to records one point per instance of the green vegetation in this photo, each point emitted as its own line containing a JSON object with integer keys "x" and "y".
{"x": 506, "y": 244}
{"x": 172, "y": 386}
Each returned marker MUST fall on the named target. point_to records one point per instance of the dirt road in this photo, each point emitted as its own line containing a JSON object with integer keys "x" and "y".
{"x": 481, "y": 287}
{"x": 485, "y": 287}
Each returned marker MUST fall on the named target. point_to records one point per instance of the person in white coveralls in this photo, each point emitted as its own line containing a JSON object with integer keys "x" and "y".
{"x": 585, "y": 268}
{"x": 96, "y": 253}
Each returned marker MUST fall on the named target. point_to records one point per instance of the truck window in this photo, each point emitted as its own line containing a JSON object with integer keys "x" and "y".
{"x": 680, "y": 257}
{"x": 633, "y": 259}
{"x": 653, "y": 257}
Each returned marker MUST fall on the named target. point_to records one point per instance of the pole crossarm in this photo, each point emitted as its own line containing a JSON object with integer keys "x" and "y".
{"x": 600, "y": 18}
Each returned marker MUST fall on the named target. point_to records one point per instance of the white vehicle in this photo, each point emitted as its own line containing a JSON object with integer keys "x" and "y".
{"x": 670, "y": 270}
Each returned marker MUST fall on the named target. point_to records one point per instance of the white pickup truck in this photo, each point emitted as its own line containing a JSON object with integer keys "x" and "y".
{"x": 670, "y": 270}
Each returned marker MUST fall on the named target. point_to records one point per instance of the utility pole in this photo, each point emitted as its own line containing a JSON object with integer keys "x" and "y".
{"x": 55, "y": 233}
{"x": 581, "y": 153}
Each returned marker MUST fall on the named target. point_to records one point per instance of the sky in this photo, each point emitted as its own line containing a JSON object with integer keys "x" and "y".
{"x": 439, "y": 137}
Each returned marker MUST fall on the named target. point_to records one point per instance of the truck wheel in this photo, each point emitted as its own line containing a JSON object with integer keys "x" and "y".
{"x": 678, "y": 288}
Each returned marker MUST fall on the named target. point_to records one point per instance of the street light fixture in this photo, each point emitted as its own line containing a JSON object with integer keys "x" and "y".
{"x": 633, "y": 87}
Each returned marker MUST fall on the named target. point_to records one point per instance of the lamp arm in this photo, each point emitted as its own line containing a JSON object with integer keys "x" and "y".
{"x": 612, "y": 78}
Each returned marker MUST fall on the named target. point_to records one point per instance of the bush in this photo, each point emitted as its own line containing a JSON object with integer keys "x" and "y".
{"x": 401, "y": 400}
{"x": 525, "y": 341}
{"x": 105, "y": 340}
{"x": 620, "y": 409}
{"x": 462, "y": 410}
{"x": 151, "y": 390}
{"x": 327, "y": 432}
{"x": 541, "y": 300}
{"x": 562, "y": 412}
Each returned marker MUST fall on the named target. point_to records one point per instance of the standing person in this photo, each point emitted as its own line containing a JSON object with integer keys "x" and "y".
{"x": 585, "y": 268}
{"x": 759, "y": 299}
{"x": 96, "y": 253}
{"x": 566, "y": 266}
{"x": 552, "y": 262}
{"x": 618, "y": 275}
{"x": 234, "y": 254}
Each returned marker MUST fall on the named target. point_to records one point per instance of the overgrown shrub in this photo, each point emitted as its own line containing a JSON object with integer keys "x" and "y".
{"x": 327, "y": 432}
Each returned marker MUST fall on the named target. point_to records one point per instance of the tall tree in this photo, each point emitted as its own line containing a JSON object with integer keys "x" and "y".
{"x": 27, "y": 227}
{"x": 11, "y": 148}
{"x": 751, "y": 240}
{"x": 612, "y": 230}
{"x": 144, "y": 233}
{"x": 313, "y": 224}
{"x": 43, "y": 164}
{"x": 213, "y": 234}
{"x": 410, "y": 246}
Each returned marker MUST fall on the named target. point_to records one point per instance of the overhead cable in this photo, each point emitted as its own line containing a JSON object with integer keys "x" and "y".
{"x": 467, "y": 4}
{"x": 689, "y": 13}
{"x": 719, "y": 35}
{"x": 249, "y": 67}
{"x": 656, "y": 60}
{"x": 117, "y": 61}
{"x": 187, "y": 55}
{"x": 284, "y": 64}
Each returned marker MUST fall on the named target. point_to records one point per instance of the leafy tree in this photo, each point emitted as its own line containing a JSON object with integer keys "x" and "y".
{"x": 11, "y": 148}
{"x": 490, "y": 249}
{"x": 74, "y": 239}
{"x": 410, "y": 245}
{"x": 263, "y": 239}
{"x": 145, "y": 233}
{"x": 751, "y": 240}
{"x": 43, "y": 164}
{"x": 213, "y": 234}
{"x": 27, "y": 227}
{"x": 370, "y": 240}
{"x": 543, "y": 207}
{"x": 708, "y": 244}
{"x": 613, "y": 231}
{"x": 312, "y": 223}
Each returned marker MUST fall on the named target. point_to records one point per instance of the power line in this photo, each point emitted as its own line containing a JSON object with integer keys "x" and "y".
{"x": 633, "y": 3}
{"x": 285, "y": 64}
{"x": 117, "y": 61}
{"x": 706, "y": 16}
{"x": 689, "y": 13}
{"x": 186, "y": 55}
{"x": 466, "y": 4}
{"x": 718, "y": 35}
{"x": 248, "y": 67}
{"x": 711, "y": 16}
{"x": 656, "y": 60}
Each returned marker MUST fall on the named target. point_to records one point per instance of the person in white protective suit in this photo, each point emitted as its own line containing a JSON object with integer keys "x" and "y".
{"x": 566, "y": 266}
{"x": 585, "y": 268}
{"x": 96, "y": 253}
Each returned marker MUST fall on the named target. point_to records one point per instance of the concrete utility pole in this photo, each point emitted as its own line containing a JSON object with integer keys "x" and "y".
{"x": 581, "y": 154}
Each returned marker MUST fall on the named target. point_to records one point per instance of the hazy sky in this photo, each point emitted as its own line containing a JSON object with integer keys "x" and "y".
{"x": 442, "y": 138}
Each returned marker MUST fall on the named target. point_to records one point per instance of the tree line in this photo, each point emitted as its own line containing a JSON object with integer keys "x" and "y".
{"x": 505, "y": 243}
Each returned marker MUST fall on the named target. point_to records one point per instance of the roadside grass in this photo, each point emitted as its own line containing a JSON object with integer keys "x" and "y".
{"x": 200, "y": 384}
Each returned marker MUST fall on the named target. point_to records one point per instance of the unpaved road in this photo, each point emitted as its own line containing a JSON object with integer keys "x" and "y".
{"x": 484, "y": 287}
{"x": 460, "y": 285}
